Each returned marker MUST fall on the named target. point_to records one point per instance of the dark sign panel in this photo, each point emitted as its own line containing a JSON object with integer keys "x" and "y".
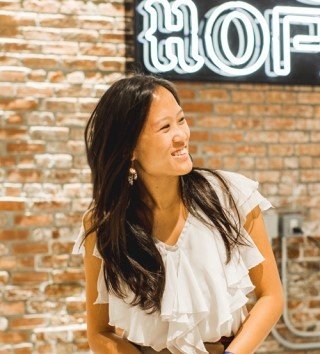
{"x": 256, "y": 41}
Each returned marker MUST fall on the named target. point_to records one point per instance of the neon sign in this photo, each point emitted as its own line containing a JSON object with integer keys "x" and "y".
{"x": 232, "y": 41}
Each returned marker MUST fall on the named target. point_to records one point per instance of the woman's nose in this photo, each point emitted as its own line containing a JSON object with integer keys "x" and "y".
{"x": 180, "y": 135}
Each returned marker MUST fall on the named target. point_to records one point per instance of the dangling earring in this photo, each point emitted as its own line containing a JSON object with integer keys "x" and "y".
{"x": 132, "y": 174}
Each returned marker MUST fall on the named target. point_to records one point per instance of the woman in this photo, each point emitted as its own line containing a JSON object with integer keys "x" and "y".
{"x": 170, "y": 250}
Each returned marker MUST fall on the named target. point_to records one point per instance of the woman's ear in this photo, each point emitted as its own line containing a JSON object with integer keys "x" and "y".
{"x": 134, "y": 155}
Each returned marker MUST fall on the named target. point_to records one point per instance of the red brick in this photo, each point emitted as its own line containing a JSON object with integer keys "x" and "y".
{"x": 33, "y": 220}
{"x": 310, "y": 175}
{"x": 297, "y": 110}
{"x": 60, "y": 104}
{"x": 52, "y": 261}
{"x": 14, "y": 119}
{"x": 305, "y": 162}
{"x": 19, "y": 278}
{"x": 222, "y": 149}
{"x": 251, "y": 150}
{"x": 268, "y": 176}
{"x": 315, "y": 136}
{"x": 294, "y": 137}
{"x": 18, "y": 104}
{"x": 75, "y": 306}
{"x": 12, "y": 308}
{"x": 28, "y": 322}
{"x": 49, "y": 133}
{"x": 87, "y": 104}
{"x": 112, "y": 37}
{"x": 24, "y": 349}
{"x": 81, "y": 64}
{"x": 61, "y": 204}
{"x": 63, "y": 48}
{"x": 281, "y": 96}
{"x": 35, "y": 90}
{"x": 185, "y": 93}
{"x": 96, "y": 22}
{"x": 308, "y": 149}
{"x": 281, "y": 149}
{"x": 59, "y": 291}
{"x": 7, "y": 262}
{"x": 231, "y": 109}
{"x": 199, "y": 107}
{"x": 6, "y": 161}
{"x": 226, "y": 136}
{"x": 56, "y": 76}
{"x": 265, "y": 110}
{"x": 26, "y": 175}
{"x": 13, "y": 235}
{"x": 100, "y": 49}
{"x": 59, "y": 21}
{"x": 14, "y": 337}
{"x": 214, "y": 94}
{"x": 247, "y": 123}
{"x": 7, "y": 90}
{"x": 69, "y": 276}
{"x": 279, "y": 123}
{"x": 31, "y": 247}
{"x": 199, "y": 135}
{"x": 213, "y": 122}
{"x": 309, "y": 97}
{"x": 248, "y": 96}
{"x": 62, "y": 247}
{"x": 40, "y": 61}
{"x": 21, "y": 46}
{"x": 37, "y": 75}
{"x": 25, "y": 147}
{"x": 13, "y": 133}
{"x": 111, "y": 65}
{"x": 82, "y": 35}
{"x": 7, "y": 20}
{"x": 262, "y": 137}
{"x": 11, "y": 205}
{"x": 268, "y": 163}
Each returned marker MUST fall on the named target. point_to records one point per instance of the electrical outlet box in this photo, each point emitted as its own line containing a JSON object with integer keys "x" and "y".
{"x": 271, "y": 222}
{"x": 290, "y": 225}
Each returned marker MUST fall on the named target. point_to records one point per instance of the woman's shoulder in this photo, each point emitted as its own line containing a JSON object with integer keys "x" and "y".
{"x": 234, "y": 180}
{"x": 86, "y": 242}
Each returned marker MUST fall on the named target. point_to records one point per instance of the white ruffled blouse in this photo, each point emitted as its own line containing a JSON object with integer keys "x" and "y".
{"x": 204, "y": 299}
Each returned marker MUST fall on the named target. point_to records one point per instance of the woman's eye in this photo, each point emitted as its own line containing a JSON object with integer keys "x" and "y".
{"x": 167, "y": 126}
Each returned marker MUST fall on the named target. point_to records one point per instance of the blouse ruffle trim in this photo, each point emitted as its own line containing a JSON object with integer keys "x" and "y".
{"x": 183, "y": 304}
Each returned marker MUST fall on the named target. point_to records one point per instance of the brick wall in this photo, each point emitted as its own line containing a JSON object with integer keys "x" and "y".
{"x": 57, "y": 58}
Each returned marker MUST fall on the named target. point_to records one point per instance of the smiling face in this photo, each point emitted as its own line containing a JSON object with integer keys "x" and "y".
{"x": 165, "y": 131}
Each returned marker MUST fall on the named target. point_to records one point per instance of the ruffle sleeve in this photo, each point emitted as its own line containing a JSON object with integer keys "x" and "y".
{"x": 78, "y": 248}
{"x": 247, "y": 196}
{"x": 246, "y": 193}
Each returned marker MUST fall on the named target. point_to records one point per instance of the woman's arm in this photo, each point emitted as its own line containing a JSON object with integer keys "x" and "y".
{"x": 268, "y": 289}
{"x": 101, "y": 336}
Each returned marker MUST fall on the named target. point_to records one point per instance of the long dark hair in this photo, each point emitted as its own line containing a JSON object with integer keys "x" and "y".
{"x": 121, "y": 219}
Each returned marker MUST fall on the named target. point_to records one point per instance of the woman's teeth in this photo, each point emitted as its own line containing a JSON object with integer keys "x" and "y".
{"x": 180, "y": 152}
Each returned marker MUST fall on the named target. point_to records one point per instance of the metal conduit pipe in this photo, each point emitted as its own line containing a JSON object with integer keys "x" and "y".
{"x": 274, "y": 331}
{"x": 286, "y": 318}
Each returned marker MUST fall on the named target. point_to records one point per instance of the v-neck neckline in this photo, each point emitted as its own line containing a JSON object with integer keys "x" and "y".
{"x": 180, "y": 237}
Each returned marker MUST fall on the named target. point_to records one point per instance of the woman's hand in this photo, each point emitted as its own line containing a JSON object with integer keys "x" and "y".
{"x": 214, "y": 348}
